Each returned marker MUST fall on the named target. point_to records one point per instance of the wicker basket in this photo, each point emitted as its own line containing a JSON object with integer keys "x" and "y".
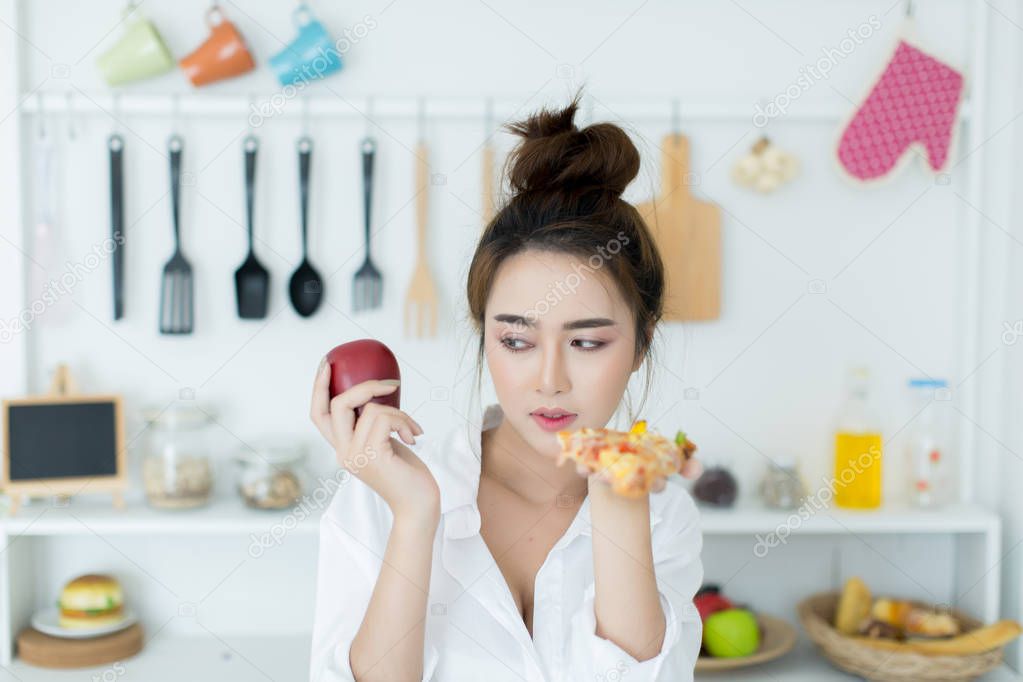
{"x": 817, "y": 614}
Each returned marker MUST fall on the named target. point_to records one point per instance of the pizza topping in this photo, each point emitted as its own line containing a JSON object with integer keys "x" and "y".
{"x": 634, "y": 459}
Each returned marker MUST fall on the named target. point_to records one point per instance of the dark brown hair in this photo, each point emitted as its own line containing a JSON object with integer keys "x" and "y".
{"x": 566, "y": 196}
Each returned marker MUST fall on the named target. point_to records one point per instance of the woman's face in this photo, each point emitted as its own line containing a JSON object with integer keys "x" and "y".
{"x": 557, "y": 335}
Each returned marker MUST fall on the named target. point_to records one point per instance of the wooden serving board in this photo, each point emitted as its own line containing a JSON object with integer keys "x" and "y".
{"x": 688, "y": 234}
{"x": 46, "y": 651}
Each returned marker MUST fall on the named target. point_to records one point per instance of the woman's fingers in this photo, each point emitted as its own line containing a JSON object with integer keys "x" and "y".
{"x": 692, "y": 468}
{"x": 319, "y": 410}
{"x": 658, "y": 485}
{"x": 373, "y": 431}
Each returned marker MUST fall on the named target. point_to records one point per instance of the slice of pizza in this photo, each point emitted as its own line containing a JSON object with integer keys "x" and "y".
{"x": 634, "y": 458}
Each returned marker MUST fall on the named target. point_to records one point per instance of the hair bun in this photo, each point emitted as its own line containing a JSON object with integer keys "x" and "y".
{"x": 556, "y": 155}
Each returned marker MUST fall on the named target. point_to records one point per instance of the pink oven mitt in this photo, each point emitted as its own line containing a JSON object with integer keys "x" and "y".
{"x": 914, "y": 101}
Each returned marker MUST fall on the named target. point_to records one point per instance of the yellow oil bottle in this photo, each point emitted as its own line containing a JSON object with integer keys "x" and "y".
{"x": 858, "y": 447}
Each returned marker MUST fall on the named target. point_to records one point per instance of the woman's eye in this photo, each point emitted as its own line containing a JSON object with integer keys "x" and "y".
{"x": 514, "y": 346}
{"x": 508, "y": 343}
{"x": 594, "y": 344}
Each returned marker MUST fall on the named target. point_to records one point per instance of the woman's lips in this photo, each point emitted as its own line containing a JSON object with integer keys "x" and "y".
{"x": 553, "y": 424}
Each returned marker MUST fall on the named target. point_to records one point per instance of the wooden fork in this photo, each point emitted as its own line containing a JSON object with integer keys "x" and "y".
{"x": 421, "y": 299}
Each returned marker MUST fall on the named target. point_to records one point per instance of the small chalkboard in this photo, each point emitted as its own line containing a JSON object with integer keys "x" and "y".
{"x": 63, "y": 444}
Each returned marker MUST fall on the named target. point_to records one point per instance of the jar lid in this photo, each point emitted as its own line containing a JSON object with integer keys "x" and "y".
{"x": 783, "y": 461}
{"x": 178, "y": 415}
{"x": 271, "y": 452}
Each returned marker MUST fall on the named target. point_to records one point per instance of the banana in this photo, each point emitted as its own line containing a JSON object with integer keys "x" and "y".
{"x": 853, "y": 606}
{"x": 972, "y": 642}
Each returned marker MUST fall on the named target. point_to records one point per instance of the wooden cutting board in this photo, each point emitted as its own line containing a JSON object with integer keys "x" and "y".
{"x": 688, "y": 234}
{"x": 45, "y": 651}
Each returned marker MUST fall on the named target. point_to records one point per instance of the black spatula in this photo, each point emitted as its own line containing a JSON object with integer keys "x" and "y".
{"x": 251, "y": 279}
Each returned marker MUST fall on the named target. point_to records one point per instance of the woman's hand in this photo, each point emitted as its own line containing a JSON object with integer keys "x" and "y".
{"x": 366, "y": 448}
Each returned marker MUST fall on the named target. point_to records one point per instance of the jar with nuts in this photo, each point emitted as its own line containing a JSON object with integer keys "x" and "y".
{"x": 176, "y": 471}
{"x": 271, "y": 475}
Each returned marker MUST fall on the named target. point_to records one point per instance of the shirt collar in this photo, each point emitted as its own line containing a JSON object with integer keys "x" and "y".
{"x": 458, "y": 473}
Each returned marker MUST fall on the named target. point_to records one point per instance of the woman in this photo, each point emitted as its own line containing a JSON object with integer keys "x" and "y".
{"x": 473, "y": 556}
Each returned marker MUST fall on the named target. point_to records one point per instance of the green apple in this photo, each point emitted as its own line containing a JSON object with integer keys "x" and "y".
{"x": 731, "y": 633}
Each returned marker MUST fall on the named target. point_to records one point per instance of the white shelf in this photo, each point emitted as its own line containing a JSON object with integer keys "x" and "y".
{"x": 196, "y": 659}
{"x": 751, "y": 518}
{"x": 230, "y": 516}
{"x": 208, "y": 659}
{"x": 336, "y": 106}
{"x": 96, "y": 515}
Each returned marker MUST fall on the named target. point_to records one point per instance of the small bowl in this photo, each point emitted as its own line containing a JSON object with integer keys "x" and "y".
{"x": 777, "y": 639}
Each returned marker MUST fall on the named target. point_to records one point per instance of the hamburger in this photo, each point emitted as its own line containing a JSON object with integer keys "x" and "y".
{"x": 91, "y": 601}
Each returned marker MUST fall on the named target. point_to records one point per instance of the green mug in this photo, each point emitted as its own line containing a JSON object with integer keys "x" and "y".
{"x": 140, "y": 53}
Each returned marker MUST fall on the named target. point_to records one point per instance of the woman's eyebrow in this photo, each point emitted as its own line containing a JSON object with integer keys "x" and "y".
{"x": 588, "y": 323}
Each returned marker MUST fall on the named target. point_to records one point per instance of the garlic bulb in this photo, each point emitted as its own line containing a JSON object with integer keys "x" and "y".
{"x": 765, "y": 167}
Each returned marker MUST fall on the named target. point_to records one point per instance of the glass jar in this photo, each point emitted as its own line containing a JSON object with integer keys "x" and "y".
{"x": 271, "y": 475}
{"x": 926, "y": 442}
{"x": 177, "y": 472}
{"x": 782, "y": 486}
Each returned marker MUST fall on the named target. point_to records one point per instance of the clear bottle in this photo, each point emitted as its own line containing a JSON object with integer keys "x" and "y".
{"x": 858, "y": 447}
{"x": 927, "y": 457}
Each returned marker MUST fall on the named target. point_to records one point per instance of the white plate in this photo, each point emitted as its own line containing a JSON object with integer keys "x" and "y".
{"x": 48, "y": 621}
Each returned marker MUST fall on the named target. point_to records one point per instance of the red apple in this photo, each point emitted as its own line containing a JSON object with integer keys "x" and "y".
{"x": 358, "y": 361}
{"x": 710, "y": 603}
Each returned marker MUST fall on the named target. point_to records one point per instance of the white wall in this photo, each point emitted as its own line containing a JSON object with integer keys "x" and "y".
{"x": 888, "y": 300}
{"x": 768, "y": 373}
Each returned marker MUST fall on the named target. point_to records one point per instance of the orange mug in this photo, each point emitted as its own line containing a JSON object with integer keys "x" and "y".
{"x": 223, "y": 55}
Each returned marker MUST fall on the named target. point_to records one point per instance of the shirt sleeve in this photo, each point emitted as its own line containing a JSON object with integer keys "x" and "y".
{"x": 353, "y": 537}
{"x": 679, "y": 573}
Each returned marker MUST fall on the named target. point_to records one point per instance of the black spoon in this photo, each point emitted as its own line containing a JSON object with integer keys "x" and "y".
{"x": 251, "y": 279}
{"x": 306, "y": 286}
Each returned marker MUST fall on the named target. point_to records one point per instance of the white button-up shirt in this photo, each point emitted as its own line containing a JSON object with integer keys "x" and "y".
{"x": 474, "y": 631}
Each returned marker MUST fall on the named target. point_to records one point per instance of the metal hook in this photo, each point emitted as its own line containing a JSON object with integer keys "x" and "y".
{"x": 909, "y": 9}
{"x": 117, "y": 112}
{"x": 369, "y": 115}
{"x": 175, "y": 112}
{"x": 72, "y": 132}
{"x": 251, "y": 111}
{"x": 42, "y": 118}
{"x": 421, "y": 117}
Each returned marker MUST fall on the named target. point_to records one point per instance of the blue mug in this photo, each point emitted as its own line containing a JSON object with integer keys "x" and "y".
{"x": 311, "y": 55}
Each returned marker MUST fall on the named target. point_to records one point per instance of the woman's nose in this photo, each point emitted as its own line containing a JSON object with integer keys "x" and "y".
{"x": 553, "y": 374}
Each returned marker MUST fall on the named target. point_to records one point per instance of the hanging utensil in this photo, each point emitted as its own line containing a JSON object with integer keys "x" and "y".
{"x": 251, "y": 279}
{"x": 488, "y": 205}
{"x": 489, "y": 208}
{"x": 115, "y": 143}
{"x": 176, "y": 310}
{"x": 47, "y": 242}
{"x": 306, "y": 286}
{"x": 368, "y": 284}
{"x": 688, "y": 235}
{"x": 421, "y": 299}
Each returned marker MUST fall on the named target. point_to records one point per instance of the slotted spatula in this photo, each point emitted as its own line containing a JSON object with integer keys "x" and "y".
{"x": 176, "y": 287}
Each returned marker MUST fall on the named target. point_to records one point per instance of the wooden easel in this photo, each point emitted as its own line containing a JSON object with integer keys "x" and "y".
{"x": 64, "y": 390}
